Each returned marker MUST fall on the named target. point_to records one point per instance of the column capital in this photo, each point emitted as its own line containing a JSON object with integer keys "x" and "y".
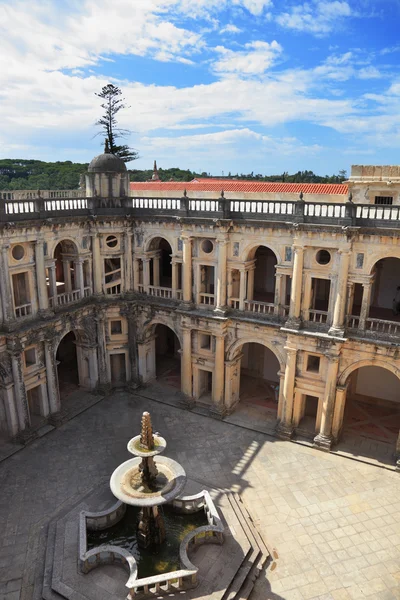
{"x": 291, "y": 351}
{"x": 344, "y": 251}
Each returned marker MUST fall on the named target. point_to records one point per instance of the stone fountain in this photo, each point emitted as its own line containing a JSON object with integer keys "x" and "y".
{"x": 148, "y": 482}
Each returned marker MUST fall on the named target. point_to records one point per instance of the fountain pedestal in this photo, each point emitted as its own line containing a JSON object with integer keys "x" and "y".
{"x": 148, "y": 482}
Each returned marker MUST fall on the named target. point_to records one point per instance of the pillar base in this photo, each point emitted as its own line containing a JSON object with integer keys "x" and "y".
{"x": 186, "y": 305}
{"x": 284, "y": 432}
{"x": 323, "y": 442}
{"x": 293, "y": 323}
{"x": 55, "y": 419}
{"x": 217, "y": 411}
{"x": 336, "y": 331}
{"x": 221, "y": 311}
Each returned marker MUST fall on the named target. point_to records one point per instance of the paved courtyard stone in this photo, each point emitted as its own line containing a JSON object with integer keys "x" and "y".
{"x": 330, "y": 523}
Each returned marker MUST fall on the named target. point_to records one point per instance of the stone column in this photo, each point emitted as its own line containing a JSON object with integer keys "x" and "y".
{"x": 67, "y": 275}
{"x": 285, "y": 427}
{"x": 186, "y": 364}
{"x": 232, "y": 384}
{"x": 79, "y": 281}
{"x": 339, "y": 309}
{"x": 220, "y": 305}
{"x": 242, "y": 289}
{"x": 5, "y": 288}
{"x": 187, "y": 270}
{"x": 136, "y": 271}
{"x": 53, "y": 283}
{"x": 350, "y": 297}
{"x": 97, "y": 265}
{"x": 219, "y": 375}
{"x": 174, "y": 283}
{"x": 146, "y": 274}
{"x": 338, "y": 414}
{"x": 278, "y": 293}
{"x": 127, "y": 274}
{"x": 133, "y": 346}
{"x": 11, "y": 411}
{"x": 21, "y": 399}
{"x": 156, "y": 269}
{"x": 53, "y": 391}
{"x": 250, "y": 282}
{"x": 281, "y": 401}
{"x": 104, "y": 383}
{"x": 43, "y": 299}
{"x": 324, "y": 438}
{"x": 366, "y": 301}
{"x": 297, "y": 282}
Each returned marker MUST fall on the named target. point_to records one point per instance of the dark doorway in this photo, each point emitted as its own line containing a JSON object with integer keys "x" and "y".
{"x": 168, "y": 358}
{"x": 68, "y": 377}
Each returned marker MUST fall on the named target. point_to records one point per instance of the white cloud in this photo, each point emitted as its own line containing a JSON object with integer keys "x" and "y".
{"x": 230, "y": 28}
{"x": 318, "y": 17}
{"x": 254, "y": 60}
{"x": 369, "y": 73}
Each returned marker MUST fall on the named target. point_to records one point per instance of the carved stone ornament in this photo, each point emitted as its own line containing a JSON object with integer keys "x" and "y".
{"x": 88, "y": 330}
{"x": 5, "y": 366}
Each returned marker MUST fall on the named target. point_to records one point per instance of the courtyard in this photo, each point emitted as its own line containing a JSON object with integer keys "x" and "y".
{"x": 330, "y": 523}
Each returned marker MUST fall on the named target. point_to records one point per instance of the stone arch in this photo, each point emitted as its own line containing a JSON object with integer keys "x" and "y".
{"x": 150, "y": 327}
{"x": 234, "y": 349}
{"x": 376, "y": 257}
{"x": 149, "y": 242}
{"x": 250, "y": 249}
{"x": 68, "y": 241}
{"x": 345, "y": 374}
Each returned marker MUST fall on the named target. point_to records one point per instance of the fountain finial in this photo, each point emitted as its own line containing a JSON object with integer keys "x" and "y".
{"x": 146, "y": 435}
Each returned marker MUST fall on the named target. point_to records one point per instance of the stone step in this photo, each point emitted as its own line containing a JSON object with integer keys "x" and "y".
{"x": 243, "y": 580}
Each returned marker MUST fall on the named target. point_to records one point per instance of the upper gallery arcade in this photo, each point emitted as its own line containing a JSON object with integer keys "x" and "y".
{"x": 278, "y": 297}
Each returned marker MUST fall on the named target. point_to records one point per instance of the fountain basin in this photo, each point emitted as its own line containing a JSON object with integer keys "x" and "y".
{"x": 135, "y": 448}
{"x": 126, "y": 482}
{"x": 184, "y": 577}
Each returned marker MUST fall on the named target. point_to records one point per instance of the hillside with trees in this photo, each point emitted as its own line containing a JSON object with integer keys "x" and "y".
{"x": 26, "y": 174}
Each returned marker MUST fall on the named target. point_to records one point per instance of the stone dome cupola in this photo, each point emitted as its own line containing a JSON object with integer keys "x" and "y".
{"x": 107, "y": 176}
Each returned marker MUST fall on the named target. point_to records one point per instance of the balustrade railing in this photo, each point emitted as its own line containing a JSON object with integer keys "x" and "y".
{"x": 352, "y": 322}
{"x": 113, "y": 290}
{"x": 263, "y": 308}
{"x": 22, "y": 206}
{"x": 160, "y": 292}
{"x": 87, "y": 291}
{"x": 206, "y": 299}
{"x": 384, "y": 327}
{"x": 68, "y": 297}
{"x": 140, "y": 288}
{"x": 234, "y": 303}
{"x": 179, "y": 294}
{"x": 23, "y": 310}
{"x": 317, "y": 316}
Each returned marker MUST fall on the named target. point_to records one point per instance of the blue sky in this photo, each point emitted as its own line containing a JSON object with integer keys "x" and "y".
{"x": 212, "y": 85}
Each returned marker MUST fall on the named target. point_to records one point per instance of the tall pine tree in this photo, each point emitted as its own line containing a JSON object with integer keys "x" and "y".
{"x": 112, "y": 104}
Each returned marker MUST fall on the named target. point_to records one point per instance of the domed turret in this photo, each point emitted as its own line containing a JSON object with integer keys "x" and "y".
{"x": 107, "y": 176}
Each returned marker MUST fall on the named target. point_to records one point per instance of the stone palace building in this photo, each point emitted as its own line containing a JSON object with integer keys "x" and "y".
{"x": 279, "y": 297}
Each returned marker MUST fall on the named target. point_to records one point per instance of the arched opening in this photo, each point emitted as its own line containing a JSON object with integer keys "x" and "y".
{"x": 258, "y": 385}
{"x": 62, "y": 279}
{"x": 385, "y": 292}
{"x": 371, "y": 420}
{"x": 168, "y": 358}
{"x": 261, "y": 283}
{"x": 160, "y": 265}
{"x": 67, "y": 366}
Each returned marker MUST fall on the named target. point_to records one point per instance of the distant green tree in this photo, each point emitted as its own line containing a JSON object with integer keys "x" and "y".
{"x": 112, "y": 104}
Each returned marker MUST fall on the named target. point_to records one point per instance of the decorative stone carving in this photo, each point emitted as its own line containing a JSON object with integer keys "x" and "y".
{"x": 88, "y": 333}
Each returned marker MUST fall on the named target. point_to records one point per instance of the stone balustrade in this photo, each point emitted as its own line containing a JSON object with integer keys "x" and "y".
{"x": 327, "y": 213}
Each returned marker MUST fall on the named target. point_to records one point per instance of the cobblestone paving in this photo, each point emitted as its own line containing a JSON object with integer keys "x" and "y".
{"x": 333, "y": 522}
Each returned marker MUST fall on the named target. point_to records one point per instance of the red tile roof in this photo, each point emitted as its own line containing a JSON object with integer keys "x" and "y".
{"x": 232, "y": 185}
